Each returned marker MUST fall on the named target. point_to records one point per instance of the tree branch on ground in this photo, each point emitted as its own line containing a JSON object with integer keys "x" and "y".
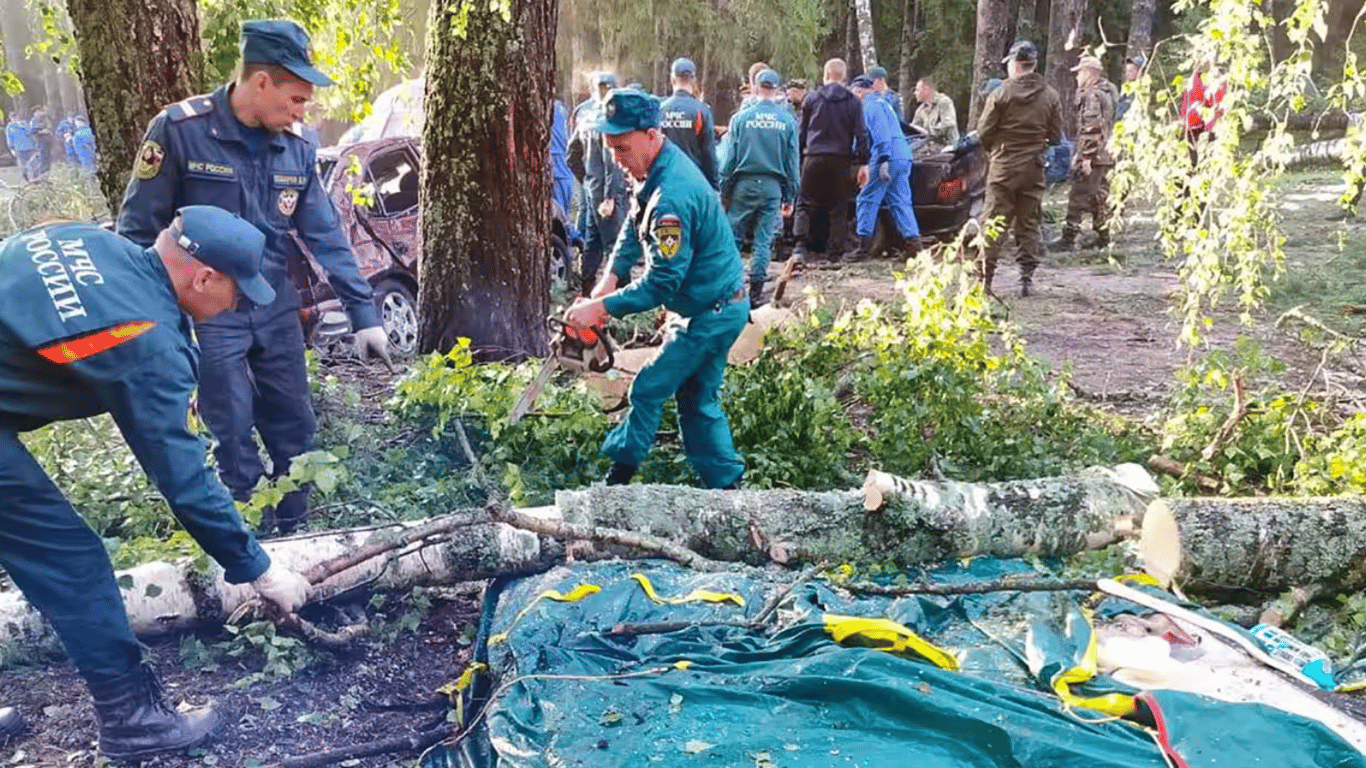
{"x": 562, "y": 530}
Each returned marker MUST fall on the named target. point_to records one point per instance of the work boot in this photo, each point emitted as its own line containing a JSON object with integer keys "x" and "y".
{"x": 798, "y": 259}
{"x": 11, "y": 724}
{"x": 620, "y": 474}
{"x": 861, "y": 253}
{"x": 137, "y": 722}
{"x": 1026, "y": 284}
{"x": 756, "y": 293}
{"x": 1067, "y": 242}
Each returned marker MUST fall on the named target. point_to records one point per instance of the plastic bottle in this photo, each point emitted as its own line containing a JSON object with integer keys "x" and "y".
{"x": 1282, "y": 645}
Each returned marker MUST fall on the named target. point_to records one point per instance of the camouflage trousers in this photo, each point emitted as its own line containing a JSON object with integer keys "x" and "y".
{"x": 1090, "y": 193}
{"x": 1016, "y": 199}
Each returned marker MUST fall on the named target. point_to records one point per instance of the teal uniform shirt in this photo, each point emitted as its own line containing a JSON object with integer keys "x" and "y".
{"x": 693, "y": 269}
{"x": 677, "y": 223}
{"x": 763, "y": 140}
{"x": 89, "y": 324}
{"x": 687, "y": 122}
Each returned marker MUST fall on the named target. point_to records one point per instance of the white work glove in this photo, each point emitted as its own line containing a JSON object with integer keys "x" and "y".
{"x": 373, "y": 341}
{"x": 286, "y": 589}
{"x": 884, "y": 171}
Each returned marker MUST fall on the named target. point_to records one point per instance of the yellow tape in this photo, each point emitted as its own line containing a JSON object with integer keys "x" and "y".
{"x": 886, "y": 635}
{"x": 1115, "y": 704}
{"x": 576, "y": 594}
{"x": 695, "y": 596}
{"x": 453, "y": 690}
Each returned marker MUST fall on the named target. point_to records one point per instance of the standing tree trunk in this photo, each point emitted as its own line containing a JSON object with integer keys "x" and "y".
{"x": 1141, "y": 28}
{"x": 486, "y": 183}
{"x": 990, "y": 48}
{"x": 1341, "y": 17}
{"x": 863, "y": 10}
{"x": 1064, "y": 49}
{"x": 851, "y": 42}
{"x": 909, "y": 9}
{"x": 137, "y": 56}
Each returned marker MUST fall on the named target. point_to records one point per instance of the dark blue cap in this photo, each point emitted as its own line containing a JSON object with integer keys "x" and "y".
{"x": 606, "y": 78}
{"x": 862, "y": 81}
{"x": 629, "y": 110}
{"x": 282, "y": 42}
{"x": 683, "y": 67}
{"x": 229, "y": 244}
{"x": 877, "y": 72}
{"x": 1022, "y": 51}
{"x": 768, "y": 79}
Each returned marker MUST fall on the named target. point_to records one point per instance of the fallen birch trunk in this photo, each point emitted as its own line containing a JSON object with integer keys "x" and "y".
{"x": 912, "y": 522}
{"x": 1267, "y": 544}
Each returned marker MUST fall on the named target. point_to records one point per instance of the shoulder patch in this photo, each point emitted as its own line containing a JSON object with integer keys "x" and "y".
{"x": 150, "y": 157}
{"x": 191, "y": 107}
{"x": 668, "y": 234}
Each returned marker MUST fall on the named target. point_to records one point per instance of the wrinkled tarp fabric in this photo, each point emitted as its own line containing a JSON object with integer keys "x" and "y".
{"x": 796, "y": 698}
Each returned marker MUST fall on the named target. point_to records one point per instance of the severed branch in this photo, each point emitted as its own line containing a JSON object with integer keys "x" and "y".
{"x": 416, "y": 742}
{"x": 437, "y": 526}
{"x": 973, "y": 588}
{"x": 562, "y": 530}
{"x": 1230, "y": 424}
{"x": 1172, "y": 468}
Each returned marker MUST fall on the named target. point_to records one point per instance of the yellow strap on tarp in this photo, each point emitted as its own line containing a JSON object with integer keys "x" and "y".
{"x": 1115, "y": 704}
{"x": 886, "y": 635}
{"x": 452, "y": 690}
{"x": 576, "y": 594}
{"x": 695, "y": 596}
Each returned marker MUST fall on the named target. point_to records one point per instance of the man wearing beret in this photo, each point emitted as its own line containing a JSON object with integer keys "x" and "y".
{"x": 879, "y": 77}
{"x": 93, "y": 323}
{"x": 1019, "y": 121}
{"x": 693, "y": 270}
{"x": 1091, "y": 162}
{"x": 240, "y": 148}
{"x": 687, "y": 121}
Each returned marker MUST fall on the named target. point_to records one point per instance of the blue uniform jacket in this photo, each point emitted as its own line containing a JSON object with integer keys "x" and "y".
{"x": 676, "y": 221}
{"x": 66, "y": 292}
{"x": 602, "y": 177}
{"x": 18, "y": 136}
{"x": 893, "y": 100}
{"x": 559, "y": 147}
{"x": 763, "y": 140}
{"x": 194, "y": 154}
{"x": 884, "y": 131}
{"x": 83, "y": 144}
{"x": 687, "y": 122}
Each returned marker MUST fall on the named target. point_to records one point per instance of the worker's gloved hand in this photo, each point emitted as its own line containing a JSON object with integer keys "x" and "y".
{"x": 373, "y": 341}
{"x": 884, "y": 171}
{"x": 283, "y": 587}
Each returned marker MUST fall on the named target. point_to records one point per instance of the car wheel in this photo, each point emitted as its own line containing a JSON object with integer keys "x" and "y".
{"x": 398, "y": 311}
{"x": 561, "y": 259}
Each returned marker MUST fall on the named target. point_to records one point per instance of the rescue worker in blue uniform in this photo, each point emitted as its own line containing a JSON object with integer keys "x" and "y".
{"x": 687, "y": 121}
{"x": 83, "y": 144}
{"x": 889, "y": 172}
{"x": 20, "y": 141}
{"x": 759, "y": 180}
{"x": 66, "y": 128}
{"x": 237, "y": 148}
{"x": 93, "y": 323}
{"x": 604, "y": 185}
{"x": 693, "y": 270}
{"x": 884, "y": 91}
{"x": 563, "y": 181}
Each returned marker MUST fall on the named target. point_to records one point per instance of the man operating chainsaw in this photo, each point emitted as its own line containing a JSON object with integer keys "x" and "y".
{"x": 692, "y": 269}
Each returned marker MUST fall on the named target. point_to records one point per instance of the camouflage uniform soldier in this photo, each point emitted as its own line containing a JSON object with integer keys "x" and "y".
{"x": 1092, "y": 161}
{"x": 935, "y": 115}
{"x": 1019, "y": 121}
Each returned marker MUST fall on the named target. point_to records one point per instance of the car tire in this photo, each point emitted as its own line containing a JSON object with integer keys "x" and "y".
{"x": 561, "y": 259}
{"x": 398, "y": 312}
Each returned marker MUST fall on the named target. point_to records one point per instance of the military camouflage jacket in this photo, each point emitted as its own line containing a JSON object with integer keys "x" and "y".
{"x": 1095, "y": 122}
{"x": 939, "y": 120}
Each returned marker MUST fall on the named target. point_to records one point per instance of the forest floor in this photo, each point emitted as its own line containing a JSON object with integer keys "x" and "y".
{"x": 1100, "y": 316}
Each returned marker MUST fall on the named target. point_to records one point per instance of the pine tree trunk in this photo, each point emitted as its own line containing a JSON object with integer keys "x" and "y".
{"x": 991, "y": 46}
{"x": 1340, "y": 18}
{"x": 863, "y": 10}
{"x": 486, "y": 183}
{"x": 137, "y": 56}
{"x": 1064, "y": 49}
{"x": 1141, "y": 28}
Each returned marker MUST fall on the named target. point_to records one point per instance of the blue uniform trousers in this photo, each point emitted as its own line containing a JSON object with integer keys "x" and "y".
{"x": 690, "y": 367}
{"x": 896, "y": 192}
{"x": 62, "y": 568}
{"x": 756, "y": 210}
{"x": 600, "y": 237}
{"x": 252, "y": 373}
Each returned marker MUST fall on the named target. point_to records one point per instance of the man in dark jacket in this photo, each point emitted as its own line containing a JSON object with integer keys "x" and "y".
{"x": 1019, "y": 121}
{"x": 687, "y": 120}
{"x": 832, "y": 141}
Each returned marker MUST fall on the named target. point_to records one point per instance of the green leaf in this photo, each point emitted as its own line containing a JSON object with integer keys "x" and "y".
{"x": 267, "y": 703}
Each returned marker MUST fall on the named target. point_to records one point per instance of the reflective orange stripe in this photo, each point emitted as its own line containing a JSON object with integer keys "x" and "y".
{"x": 81, "y": 347}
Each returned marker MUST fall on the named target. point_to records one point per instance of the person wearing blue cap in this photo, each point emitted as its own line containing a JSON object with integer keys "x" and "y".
{"x": 693, "y": 270}
{"x": 884, "y": 91}
{"x": 759, "y": 180}
{"x": 687, "y": 121}
{"x": 83, "y": 144}
{"x": 240, "y": 148}
{"x": 1133, "y": 69}
{"x": 93, "y": 323}
{"x": 889, "y": 172}
{"x": 20, "y": 141}
{"x": 605, "y": 192}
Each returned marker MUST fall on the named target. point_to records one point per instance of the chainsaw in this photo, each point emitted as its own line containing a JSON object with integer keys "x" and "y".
{"x": 573, "y": 349}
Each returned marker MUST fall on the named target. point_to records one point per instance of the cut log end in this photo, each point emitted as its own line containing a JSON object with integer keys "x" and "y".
{"x": 1159, "y": 543}
{"x": 875, "y": 489}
